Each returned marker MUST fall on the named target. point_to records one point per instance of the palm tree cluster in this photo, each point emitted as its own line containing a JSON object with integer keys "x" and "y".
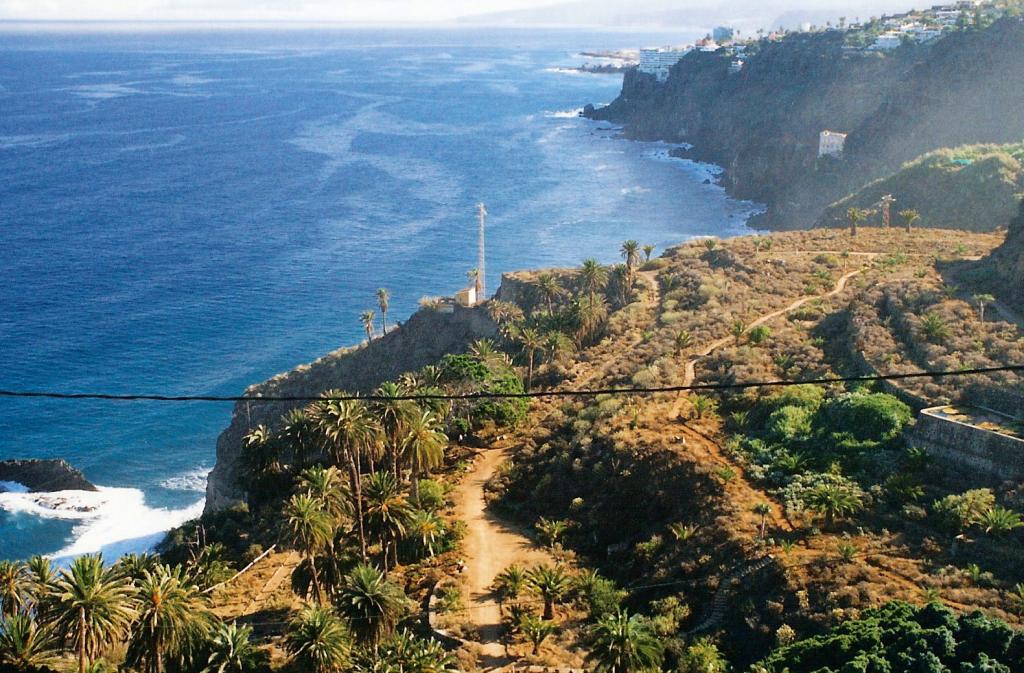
{"x": 156, "y": 613}
{"x": 358, "y": 634}
{"x": 562, "y": 321}
{"x": 355, "y": 469}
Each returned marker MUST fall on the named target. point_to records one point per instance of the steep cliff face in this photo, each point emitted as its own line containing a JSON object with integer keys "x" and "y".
{"x": 1007, "y": 264}
{"x": 428, "y": 335}
{"x": 762, "y": 124}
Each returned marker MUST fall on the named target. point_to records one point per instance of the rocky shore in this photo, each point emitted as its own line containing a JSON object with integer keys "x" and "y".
{"x": 44, "y": 476}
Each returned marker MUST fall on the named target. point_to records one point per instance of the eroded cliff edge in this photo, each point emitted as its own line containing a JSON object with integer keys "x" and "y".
{"x": 424, "y": 338}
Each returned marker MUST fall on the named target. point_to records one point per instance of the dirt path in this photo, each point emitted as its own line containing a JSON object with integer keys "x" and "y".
{"x": 691, "y": 364}
{"x": 491, "y": 545}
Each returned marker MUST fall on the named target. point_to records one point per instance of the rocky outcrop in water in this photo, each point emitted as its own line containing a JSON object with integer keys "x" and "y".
{"x": 42, "y": 476}
{"x": 426, "y": 337}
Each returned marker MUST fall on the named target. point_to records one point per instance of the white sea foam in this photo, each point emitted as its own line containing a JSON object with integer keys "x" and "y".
{"x": 12, "y": 487}
{"x": 564, "y": 114}
{"x": 114, "y": 521}
{"x": 194, "y": 481}
{"x": 626, "y": 191}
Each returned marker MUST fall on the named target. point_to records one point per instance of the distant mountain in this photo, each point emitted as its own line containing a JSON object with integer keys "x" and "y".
{"x": 747, "y": 15}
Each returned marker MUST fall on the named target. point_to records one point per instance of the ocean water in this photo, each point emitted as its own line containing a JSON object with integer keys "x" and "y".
{"x": 192, "y": 212}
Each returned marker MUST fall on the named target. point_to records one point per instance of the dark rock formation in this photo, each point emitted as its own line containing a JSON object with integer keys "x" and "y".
{"x": 762, "y": 124}
{"x": 425, "y": 338}
{"x": 41, "y": 476}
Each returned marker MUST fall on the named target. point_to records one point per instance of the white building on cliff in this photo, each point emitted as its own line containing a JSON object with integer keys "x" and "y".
{"x": 658, "y": 62}
{"x": 831, "y": 143}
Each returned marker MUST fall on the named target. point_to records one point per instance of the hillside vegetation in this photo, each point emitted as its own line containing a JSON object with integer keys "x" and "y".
{"x": 977, "y": 188}
{"x": 758, "y": 529}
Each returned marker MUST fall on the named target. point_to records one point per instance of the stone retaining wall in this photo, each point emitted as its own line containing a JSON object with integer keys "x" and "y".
{"x": 973, "y": 451}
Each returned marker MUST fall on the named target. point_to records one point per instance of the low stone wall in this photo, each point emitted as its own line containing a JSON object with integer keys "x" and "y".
{"x": 973, "y": 451}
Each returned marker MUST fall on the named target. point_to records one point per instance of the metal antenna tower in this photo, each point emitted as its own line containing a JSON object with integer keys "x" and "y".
{"x": 481, "y": 283}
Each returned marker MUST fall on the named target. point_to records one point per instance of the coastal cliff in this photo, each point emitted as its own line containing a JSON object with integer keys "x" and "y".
{"x": 424, "y": 338}
{"x": 762, "y": 123}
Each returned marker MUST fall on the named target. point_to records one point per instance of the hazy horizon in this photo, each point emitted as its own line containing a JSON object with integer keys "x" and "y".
{"x": 666, "y": 14}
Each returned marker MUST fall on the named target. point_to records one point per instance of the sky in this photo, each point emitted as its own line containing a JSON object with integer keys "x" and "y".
{"x": 360, "y": 11}
{"x": 357, "y": 11}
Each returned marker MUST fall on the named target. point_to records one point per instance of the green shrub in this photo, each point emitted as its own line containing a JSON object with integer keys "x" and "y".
{"x": 866, "y": 416}
{"x": 789, "y": 423}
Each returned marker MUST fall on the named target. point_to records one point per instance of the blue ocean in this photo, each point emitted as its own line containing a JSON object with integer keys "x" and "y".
{"x": 189, "y": 211}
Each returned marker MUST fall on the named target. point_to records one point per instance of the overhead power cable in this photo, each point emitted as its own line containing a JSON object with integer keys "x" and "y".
{"x": 483, "y": 395}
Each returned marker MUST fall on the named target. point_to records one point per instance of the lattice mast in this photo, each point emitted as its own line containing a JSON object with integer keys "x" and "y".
{"x": 481, "y": 271}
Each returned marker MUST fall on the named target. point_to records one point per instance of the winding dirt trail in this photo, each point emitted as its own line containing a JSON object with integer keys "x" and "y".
{"x": 691, "y": 364}
{"x": 491, "y": 545}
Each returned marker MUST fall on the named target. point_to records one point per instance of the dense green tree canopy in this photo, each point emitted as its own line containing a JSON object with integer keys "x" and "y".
{"x": 902, "y": 638}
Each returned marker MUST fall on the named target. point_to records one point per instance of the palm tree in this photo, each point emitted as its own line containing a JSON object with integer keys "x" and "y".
{"x": 310, "y": 530}
{"x": 531, "y": 340}
{"x": 648, "y": 249}
{"x": 834, "y": 501}
{"x": 94, "y": 606}
{"x": 762, "y": 509}
{"x": 26, "y": 645}
{"x": 551, "y": 583}
{"x": 393, "y": 415}
{"x": 683, "y": 341}
{"x": 423, "y": 446}
{"x": 473, "y": 275}
{"x": 172, "y": 619}
{"x": 383, "y": 301}
{"x": 934, "y": 328}
{"x": 349, "y": 433}
{"x": 549, "y": 290}
{"x": 624, "y": 644}
{"x": 909, "y": 216}
{"x": 367, "y": 317}
{"x": 737, "y": 330}
{"x": 982, "y": 300}
{"x": 298, "y": 431}
{"x": 589, "y": 316}
{"x": 325, "y": 485}
{"x": 262, "y": 452}
{"x": 551, "y": 531}
{"x": 593, "y": 277}
{"x": 425, "y": 528}
{"x": 855, "y": 216}
{"x": 630, "y": 252}
{"x": 535, "y": 630}
{"x": 509, "y": 583}
{"x": 44, "y": 579}
{"x": 319, "y": 640}
{"x": 557, "y": 344}
{"x": 372, "y": 604}
{"x": 231, "y": 649}
{"x": 387, "y": 512}
{"x": 16, "y": 587}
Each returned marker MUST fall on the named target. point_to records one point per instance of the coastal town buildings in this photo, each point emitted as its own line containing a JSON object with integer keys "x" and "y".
{"x": 658, "y": 62}
{"x": 831, "y": 143}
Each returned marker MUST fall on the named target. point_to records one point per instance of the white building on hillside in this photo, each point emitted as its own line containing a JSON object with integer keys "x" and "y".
{"x": 831, "y": 143}
{"x": 887, "y": 41}
{"x": 658, "y": 62}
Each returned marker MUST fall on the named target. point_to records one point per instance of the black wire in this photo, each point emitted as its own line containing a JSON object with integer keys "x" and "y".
{"x": 496, "y": 395}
